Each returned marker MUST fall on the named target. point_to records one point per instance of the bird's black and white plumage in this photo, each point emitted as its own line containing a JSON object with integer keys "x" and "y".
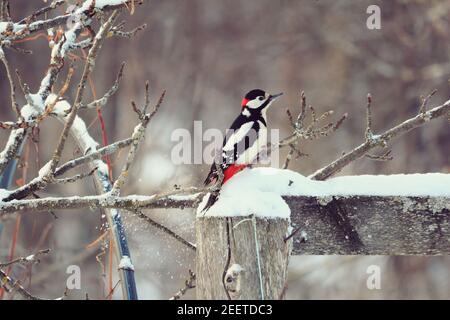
{"x": 244, "y": 140}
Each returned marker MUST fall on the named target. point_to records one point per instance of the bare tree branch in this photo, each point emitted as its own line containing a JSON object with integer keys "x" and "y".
{"x": 12, "y": 286}
{"x": 97, "y": 154}
{"x": 37, "y": 101}
{"x": 14, "y": 104}
{"x": 118, "y": 31}
{"x": 104, "y": 100}
{"x": 166, "y": 230}
{"x": 53, "y": 5}
{"x": 369, "y": 133}
{"x": 301, "y": 131}
{"x": 87, "y": 10}
{"x": 188, "y": 284}
{"x": 381, "y": 140}
{"x": 77, "y": 177}
{"x": 31, "y": 259}
{"x": 90, "y": 62}
{"x": 137, "y": 137}
{"x": 179, "y": 200}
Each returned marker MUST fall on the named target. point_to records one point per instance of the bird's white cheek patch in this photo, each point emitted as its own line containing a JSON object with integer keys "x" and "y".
{"x": 254, "y": 104}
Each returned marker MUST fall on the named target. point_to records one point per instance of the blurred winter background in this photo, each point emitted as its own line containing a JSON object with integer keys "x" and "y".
{"x": 207, "y": 54}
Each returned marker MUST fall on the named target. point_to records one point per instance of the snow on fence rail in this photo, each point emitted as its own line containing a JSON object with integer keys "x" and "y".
{"x": 384, "y": 214}
{"x": 263, "y": 215}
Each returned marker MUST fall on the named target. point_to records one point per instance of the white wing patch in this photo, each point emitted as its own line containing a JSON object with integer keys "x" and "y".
{"x": 251, "y": 154}
{"x": 237, "y": 136}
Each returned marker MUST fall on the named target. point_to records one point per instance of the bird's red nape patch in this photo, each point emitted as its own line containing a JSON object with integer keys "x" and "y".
{"x": 244, "y": 102}
{"x": 232, "y": 170}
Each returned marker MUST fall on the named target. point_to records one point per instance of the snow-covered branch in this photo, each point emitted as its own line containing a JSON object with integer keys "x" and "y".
{"x": 133, "y": 202}
{"x": 88, "y": 67}
{"x": 10, "y": 31}
{"x": 63, "y": 40}
{"x": 31, "y": 259}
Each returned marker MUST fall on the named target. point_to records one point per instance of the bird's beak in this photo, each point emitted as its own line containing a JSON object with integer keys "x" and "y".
{"x": 274, "y": 96}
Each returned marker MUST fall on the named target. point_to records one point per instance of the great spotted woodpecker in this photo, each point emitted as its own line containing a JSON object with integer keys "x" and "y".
{"x": 244, "y": 140}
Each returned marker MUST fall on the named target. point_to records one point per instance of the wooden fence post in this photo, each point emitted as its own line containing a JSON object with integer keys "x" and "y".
{"x": 242, "y": 257}
{"x": 229, "y": 266}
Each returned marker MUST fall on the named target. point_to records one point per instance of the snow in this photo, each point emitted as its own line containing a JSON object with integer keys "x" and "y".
{"x": 99, "y": 4}
{"x": 78, "y": 129}
{"x": 138, "y": 197}
{"x": 184, "y": 197}
{"x": 30, "y": 258}
{"x": 36, "y": 98}
{"x": 246, "y": 201}
{"x": 235, "y": 269}
{"x": 103, "y": 3}
{"x": 71, "y": 37}
{"x": 3, "y": 194}
{"x": 28, "y": 112}
{"x": 13, "y": 27}
{"x": 3, "y": 26}
{"x": 10, "y": 143}
{"x": 45, "y": 170}
{"x": 259, "y": 191}
{"x": 125, "y": 263}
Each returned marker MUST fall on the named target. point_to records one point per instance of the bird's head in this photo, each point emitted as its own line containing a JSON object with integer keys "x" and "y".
{"x": 258, "y": 100}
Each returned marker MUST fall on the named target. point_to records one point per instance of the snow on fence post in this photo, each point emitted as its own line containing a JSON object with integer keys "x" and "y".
{"x": 242, "y": 257}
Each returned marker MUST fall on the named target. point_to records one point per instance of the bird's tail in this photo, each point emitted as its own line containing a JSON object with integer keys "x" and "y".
{"x": 212, "y": 198}
{"x": 212, "y": 175}
{"x": 214, "y": 195}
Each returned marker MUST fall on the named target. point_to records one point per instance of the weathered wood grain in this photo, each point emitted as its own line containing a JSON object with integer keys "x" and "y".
{"x": 364, "y": 225}
{"x": 220, "y": 239}
{"x": 371, "y": 225}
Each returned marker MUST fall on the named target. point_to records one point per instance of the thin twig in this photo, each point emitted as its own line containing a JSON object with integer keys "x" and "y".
{"x": 383, "y": 157}
{"x": 423, "y": 105}
{"x": 381, "y": 140}
{"x": 104, "y": 100}
{"x": 14, "y": 104}
{"x": 93, "y": 155}
{"x": 118, "y": 32}
{"x": 77, "y": 177}
{"x": 188, "y": 284}
{"x": 369, "y": 133}
{"x": 137, "y": 137}
{"x": 31, "y": 259}
{"x": 166, "y": 230}
{"x": 12, "y": 286}
{"x": 53, "y": 5}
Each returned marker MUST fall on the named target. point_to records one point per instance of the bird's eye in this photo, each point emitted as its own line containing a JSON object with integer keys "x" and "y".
{"x": 261, "y": 98}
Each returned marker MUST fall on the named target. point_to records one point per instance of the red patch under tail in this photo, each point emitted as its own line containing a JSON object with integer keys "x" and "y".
{"x": 232, "y": 170}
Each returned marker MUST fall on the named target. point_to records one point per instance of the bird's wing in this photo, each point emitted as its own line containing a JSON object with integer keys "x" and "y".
{"x": 240, "y": 138}
{"x": 234, "y": 136}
